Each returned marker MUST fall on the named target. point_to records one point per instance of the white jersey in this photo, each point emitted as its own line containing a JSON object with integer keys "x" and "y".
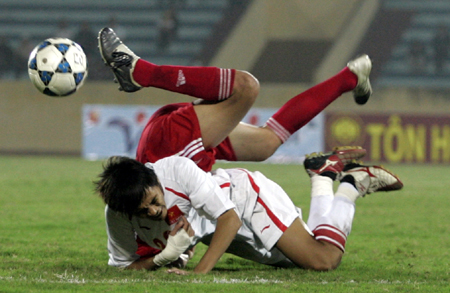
{"x": 263, "y": 207}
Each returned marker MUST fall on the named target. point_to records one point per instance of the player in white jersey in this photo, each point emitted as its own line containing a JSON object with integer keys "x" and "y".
{"x": 172, "y": 205}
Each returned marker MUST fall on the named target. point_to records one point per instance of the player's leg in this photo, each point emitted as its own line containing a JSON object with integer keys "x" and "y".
{"x": 230, "y": 93}
{"x": 334, "y": 225}
{"x": 239, "y": 90}
{"x": 315, "y": 254}
{"x": 218, "y": 120}
{"x": 307, "y": 252}
{"x": 253, "y": 143}
{"x": 323, "y": 169}
{"x": 330, "y": 217}
{"x": 276, "y": 222}
{"x": 302, "y": 108}
{"x": 258, "y": 143}
{"x": 133, "y": 73}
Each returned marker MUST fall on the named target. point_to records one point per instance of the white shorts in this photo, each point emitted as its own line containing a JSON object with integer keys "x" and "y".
{"x": 266, "y": 211}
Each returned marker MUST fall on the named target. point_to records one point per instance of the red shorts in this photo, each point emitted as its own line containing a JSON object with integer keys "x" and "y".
{"x": 174, "y": 130}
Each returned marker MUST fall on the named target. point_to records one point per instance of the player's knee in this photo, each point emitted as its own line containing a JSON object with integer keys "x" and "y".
{"x": 326, "y": 261}
{"x": 327, "y": 264}
{"x": 246, "y": 86}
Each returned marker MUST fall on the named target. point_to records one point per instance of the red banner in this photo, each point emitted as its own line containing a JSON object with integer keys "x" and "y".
{"x": 393, "y": 138}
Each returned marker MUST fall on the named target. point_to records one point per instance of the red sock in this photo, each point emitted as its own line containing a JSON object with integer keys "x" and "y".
{"x": 208, "y": 83}
{"x": 302, "y": 108}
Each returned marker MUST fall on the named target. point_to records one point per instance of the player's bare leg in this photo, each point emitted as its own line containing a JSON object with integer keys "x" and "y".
{"x": 253, "y": 143}
{"x": 302, "y": 249}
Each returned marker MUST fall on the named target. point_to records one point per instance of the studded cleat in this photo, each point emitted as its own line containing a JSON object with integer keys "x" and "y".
{"x": 361, "y": 66}
{"x": 369, "y": 179}
{"x": 332, "y": 163}
{"x": 119, "y": 57}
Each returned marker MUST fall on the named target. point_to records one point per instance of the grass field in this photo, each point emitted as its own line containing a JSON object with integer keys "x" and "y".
{"x": 52, "y": 237}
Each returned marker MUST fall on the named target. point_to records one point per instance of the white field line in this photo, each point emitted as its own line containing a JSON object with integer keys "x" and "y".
{"x": 71, "y": 279}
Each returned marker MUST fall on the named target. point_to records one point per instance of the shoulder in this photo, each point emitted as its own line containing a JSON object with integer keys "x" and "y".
{"x": 180, "y": 171}
{"x": 175, "y": 162}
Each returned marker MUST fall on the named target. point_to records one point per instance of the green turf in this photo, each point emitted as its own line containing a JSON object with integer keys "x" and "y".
{"x": 52, "y": 237}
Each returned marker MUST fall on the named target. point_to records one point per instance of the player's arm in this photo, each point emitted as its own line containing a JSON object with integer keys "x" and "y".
{"x": 141, "y": 264}
{"x": 209, "y": 200}
{"x": 227, "y": 227}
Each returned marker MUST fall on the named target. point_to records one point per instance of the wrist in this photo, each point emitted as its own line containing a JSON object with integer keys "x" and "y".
{"x": 176, "y": 245}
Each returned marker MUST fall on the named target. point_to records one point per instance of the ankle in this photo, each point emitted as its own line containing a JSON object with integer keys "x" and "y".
{"x": 347, "y": 190}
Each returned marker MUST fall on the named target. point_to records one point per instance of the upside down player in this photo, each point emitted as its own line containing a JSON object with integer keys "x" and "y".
{"x": 211, "y": 129}
{"x": 173, "y": 204}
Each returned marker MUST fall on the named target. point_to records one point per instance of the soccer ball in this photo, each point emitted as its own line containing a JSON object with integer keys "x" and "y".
{"x": 57, "y": 67}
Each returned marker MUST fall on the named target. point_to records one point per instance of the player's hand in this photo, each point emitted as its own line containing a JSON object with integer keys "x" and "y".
{"x": 181, "y": 262}
{"x": 180, "y": 239}
{"x": 182, "y": 224}
{"x": 177, "y": 272}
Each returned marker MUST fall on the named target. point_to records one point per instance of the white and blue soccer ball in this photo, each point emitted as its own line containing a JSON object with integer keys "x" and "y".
{"x": 57, "y": 67}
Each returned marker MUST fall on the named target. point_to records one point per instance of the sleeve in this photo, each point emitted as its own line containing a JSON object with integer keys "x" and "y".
{"x": 122, "y": 245}
{"x": 205, "y": 194}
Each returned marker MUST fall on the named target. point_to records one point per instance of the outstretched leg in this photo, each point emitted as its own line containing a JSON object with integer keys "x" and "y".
{"x": 302, "y": 108}
{"x": 228, "y": 93}
{"x": 259, "y": 143}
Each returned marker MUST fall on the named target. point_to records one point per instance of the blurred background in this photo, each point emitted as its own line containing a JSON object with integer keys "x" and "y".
{"x": 289, "y": 45}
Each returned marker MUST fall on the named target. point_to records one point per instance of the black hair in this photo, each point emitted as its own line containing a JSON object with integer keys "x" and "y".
{"x": 123, "y": 184}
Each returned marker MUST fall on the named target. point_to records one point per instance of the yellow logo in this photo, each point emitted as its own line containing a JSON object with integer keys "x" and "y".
{"x": 346, "y": 130}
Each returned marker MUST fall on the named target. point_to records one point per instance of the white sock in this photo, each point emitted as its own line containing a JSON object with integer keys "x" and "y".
{"x": 335, "y": 226}
{"x": 347, "y": 190}
{"x": 321, "y": 199}
{"x": 321, "y": 185}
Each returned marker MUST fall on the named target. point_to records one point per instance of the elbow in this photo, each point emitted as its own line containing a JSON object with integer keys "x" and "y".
{"x": 238, "y": 224}
{"x": 230, "y": 220}
{"x": 233, "y": 222}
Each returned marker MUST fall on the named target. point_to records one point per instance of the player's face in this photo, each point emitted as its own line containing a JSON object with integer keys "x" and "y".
{"x": 153, "y": 205}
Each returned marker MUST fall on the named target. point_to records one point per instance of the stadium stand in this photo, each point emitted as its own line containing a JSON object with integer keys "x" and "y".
{"x": 418, "y": 59}
{"x": 197, "y": 19}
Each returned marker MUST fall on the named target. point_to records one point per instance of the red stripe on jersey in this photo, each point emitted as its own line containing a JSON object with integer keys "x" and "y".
{"x": 178, "y": 193}
{"x": 225, "y": 185}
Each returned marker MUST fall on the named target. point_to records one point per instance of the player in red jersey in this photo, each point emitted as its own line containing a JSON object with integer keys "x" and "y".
{"x": 212, "y": 129}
